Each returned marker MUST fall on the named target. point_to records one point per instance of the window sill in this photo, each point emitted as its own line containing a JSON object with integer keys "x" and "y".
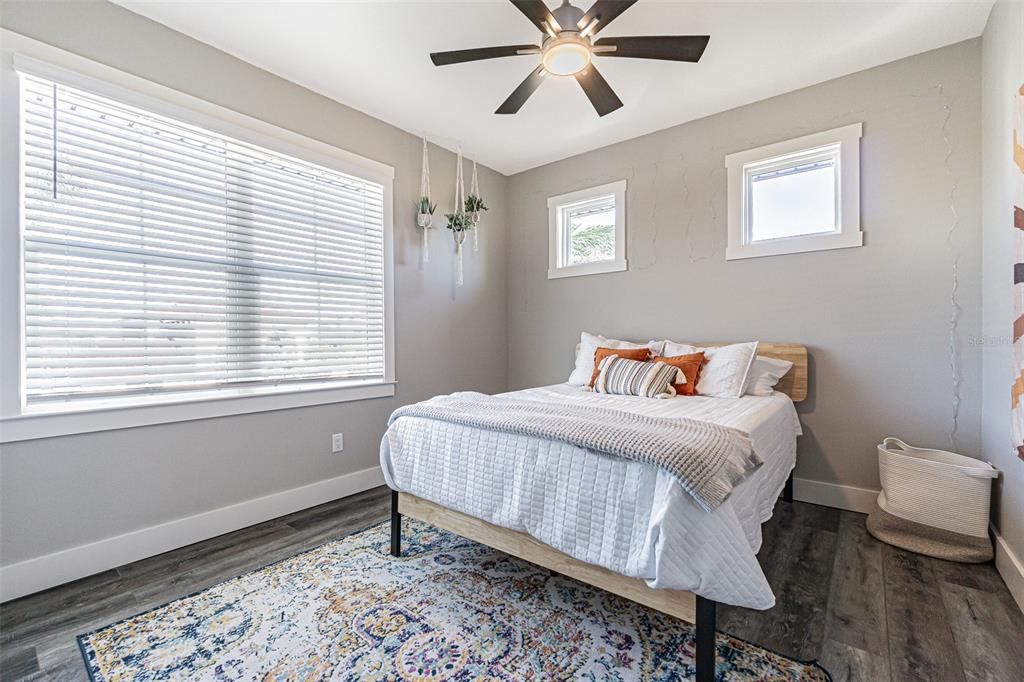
{"x": 588, "y": 269}
{"x": 121, "y": 414}
{"x": 782, "y": 247}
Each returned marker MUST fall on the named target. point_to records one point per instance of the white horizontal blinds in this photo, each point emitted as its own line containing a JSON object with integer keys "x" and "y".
{"x": 163, "y": 257}
{"x": 795, "y": 169}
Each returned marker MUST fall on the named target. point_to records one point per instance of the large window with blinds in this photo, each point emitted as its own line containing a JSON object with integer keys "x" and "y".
{"x": 164, "y": 261}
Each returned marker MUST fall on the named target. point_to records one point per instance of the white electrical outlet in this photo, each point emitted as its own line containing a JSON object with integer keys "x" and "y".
{"x": 338, "y": 442}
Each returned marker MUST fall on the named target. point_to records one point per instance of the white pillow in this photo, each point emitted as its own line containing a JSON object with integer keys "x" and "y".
{"x": 765, "y": 373}
{"x": 589, "y": 343}
{"x": 725, "y": 370}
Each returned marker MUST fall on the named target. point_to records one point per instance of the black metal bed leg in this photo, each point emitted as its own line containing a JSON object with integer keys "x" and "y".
{"x": 705, "y": 656}
{"x": 787, "y": 492}
{"x": 396, "y": 526}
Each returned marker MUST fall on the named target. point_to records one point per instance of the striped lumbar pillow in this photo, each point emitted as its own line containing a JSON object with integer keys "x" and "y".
{"x": 621, "y": 376}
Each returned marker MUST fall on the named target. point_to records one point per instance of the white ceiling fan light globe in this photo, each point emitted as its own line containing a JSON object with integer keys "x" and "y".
{"x": 566, "y": 59}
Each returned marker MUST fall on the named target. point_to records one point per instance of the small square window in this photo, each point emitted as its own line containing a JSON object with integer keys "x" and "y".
{"x": 587, "y": 231}
{"x": 795, "y": 196}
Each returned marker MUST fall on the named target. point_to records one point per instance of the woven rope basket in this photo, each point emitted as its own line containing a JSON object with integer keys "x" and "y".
{"x": 935, "y": 488}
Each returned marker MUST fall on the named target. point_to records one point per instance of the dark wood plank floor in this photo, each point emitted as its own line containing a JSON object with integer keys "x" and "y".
{"x": 868, "y": 611}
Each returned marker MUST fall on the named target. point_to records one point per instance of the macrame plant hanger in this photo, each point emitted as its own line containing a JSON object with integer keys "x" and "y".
{"x": 424, "y": 218}
{"x": 474, "y": 190}
{"x": 459, "y": 229}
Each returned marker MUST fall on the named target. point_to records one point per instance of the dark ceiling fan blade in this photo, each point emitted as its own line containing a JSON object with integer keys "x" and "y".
{"x": 672, "y": 48}
{"x": 519, "y": 96}
{"x": 478, "y": 53}
{"x": 605, "y": 11}
{"x": 537, "y": 12}
{"x": 598, "y": 91}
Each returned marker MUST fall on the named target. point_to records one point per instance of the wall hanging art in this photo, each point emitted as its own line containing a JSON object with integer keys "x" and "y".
{"x": 1017, "y": 392}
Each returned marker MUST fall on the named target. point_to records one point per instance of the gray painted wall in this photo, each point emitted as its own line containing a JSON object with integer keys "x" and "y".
{"x": 61, "y": 492}
{"x": 1002, "y": 73}
{"x": 872, "y": 316}
{"x": 876, "y": 319}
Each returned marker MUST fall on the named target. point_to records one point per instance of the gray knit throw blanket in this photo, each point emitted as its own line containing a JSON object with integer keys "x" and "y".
{"x": 707, "y": 459}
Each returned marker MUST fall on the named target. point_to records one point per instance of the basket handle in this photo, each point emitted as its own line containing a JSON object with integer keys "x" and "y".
{"x": 889, "y": 442}
{"x": 989, "y": 473}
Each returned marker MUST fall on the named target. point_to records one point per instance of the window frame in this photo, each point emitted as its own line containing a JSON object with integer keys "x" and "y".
{"x": 844, "y": 144}
{"x": 558, "y": 239}
{"x": 16, "y": 422}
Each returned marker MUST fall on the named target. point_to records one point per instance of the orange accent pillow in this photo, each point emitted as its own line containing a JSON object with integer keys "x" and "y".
{"x": 690, "y": 364}
{"x": 600, "y": 354}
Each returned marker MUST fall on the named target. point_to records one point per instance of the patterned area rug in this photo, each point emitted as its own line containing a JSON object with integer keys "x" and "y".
{"x": 450, "y": 609}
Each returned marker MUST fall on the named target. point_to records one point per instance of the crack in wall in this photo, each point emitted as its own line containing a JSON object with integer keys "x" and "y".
{"x": 688, "y": 230}
{"x": 955, "y": 350}
{"x": 691, "y": 243}
{"x": 652, "y": 218}
{"x": 956, "y": 310}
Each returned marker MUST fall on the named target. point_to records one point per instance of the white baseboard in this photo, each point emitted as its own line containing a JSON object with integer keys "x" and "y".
{"x": 40, "y": 573}
{"x": 1011, "y": 568}
{"x": 832, "y": 495}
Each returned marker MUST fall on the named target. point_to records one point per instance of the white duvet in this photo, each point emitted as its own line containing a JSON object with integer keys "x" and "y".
{"x": 630, "y": 517}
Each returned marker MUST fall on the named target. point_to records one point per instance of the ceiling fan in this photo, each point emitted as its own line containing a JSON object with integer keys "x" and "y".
{"x": 569, "y": 47}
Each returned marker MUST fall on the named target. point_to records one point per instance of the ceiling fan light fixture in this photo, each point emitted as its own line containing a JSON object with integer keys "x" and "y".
{"x": 566, "y": 55}
{"x": 570, "y": 51}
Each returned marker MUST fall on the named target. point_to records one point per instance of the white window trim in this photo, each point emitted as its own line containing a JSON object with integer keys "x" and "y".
{"x": 849, "y": 233}
{"x": 38, "y": 59}
{"x": 555, "y": 203}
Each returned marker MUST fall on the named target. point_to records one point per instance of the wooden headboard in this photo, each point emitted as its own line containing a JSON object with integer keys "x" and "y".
{"x": 794, "y": 384}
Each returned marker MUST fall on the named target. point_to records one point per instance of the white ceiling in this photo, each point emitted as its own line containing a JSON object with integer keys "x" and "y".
{"x": 373, "y": 56}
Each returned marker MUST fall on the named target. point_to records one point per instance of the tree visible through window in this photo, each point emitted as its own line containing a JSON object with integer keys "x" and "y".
{"x": 592, "y": 235}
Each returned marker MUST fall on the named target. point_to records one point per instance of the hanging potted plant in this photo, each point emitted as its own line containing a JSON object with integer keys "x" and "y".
{"x": 474, "y": 206}
{"x": 460, "y": 220}
{"x": 459, "y": 223}
{"x": 424, "y": 206}
{"x": 425, "y": 212}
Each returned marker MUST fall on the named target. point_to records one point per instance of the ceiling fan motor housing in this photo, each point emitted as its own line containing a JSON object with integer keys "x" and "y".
{"x": 567, "y": 16}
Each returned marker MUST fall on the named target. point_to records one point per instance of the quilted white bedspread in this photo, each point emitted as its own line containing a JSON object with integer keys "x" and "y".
{"x": 630, "y": 517}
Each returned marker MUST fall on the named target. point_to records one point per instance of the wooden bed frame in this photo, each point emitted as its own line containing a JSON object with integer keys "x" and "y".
{"x": 681, "y": 604}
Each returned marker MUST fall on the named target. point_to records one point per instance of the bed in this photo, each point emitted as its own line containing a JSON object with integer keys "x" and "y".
{"x": 622, "y": 525}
